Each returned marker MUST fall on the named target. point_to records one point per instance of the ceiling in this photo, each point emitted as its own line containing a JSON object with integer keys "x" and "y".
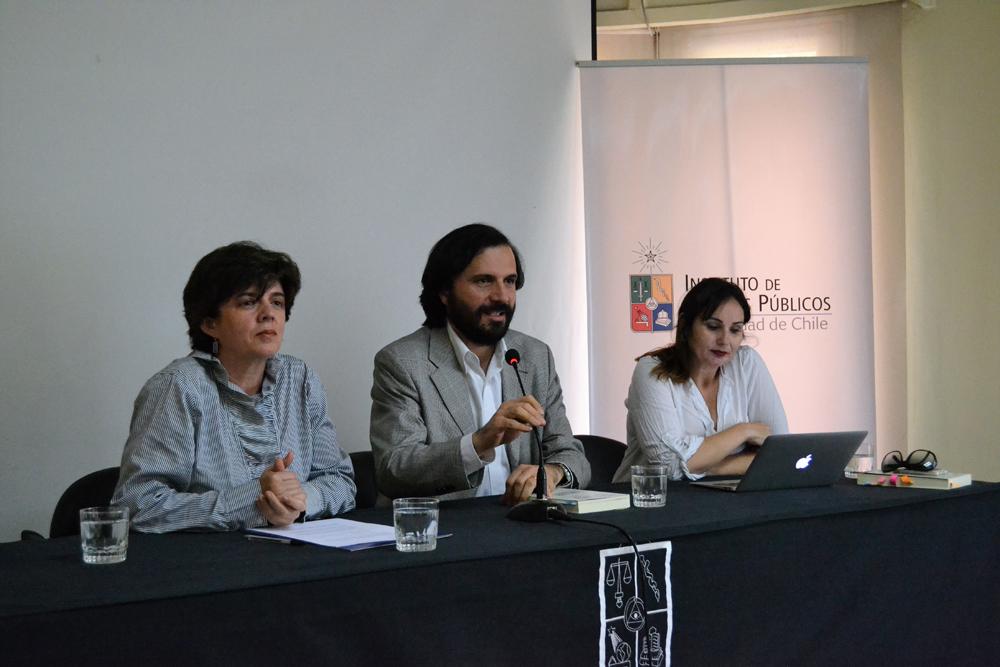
{"x": 620, "y": 15}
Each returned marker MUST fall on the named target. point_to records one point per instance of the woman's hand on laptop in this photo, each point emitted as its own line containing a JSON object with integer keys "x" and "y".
{"x": 717, "y": 448}
{"x": 756, "y": 433}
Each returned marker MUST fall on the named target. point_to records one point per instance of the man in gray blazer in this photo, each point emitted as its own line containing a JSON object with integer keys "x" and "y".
{"x": 448, "y": 418}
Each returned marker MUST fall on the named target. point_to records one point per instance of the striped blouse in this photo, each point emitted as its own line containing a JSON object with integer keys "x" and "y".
{"x": 198, "y": 445}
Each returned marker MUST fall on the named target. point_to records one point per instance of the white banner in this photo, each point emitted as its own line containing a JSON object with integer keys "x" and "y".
{"x": 752, "y": 171}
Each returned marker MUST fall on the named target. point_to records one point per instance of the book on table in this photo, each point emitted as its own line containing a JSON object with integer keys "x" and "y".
{"x": 585, "y": 501}
{"x": 932, "y": 479}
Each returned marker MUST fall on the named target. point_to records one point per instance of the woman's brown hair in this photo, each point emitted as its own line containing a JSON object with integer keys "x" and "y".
{"x": 701, "y": 301}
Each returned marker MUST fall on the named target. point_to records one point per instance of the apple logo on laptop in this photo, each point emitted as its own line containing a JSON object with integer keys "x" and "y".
{"x": 804, "y": 462}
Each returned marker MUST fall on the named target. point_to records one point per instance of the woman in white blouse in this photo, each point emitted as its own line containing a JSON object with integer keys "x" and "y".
{"x": 704, "y": 405}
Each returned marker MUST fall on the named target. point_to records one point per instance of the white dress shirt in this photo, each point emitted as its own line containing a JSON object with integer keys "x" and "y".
{"x": 667, "y": 421}
{"x": 485, "y": 395}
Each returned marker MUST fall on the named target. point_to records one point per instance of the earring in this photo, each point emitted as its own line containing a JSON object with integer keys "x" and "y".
{"x": 215, "y": 347}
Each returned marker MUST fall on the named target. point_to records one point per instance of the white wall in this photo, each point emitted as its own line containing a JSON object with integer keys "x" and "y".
{"x": 137, "y": 136}
{"x": 951, "y": 93}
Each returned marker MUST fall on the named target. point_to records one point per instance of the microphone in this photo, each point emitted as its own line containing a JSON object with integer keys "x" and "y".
{"x": 538, "y": 508}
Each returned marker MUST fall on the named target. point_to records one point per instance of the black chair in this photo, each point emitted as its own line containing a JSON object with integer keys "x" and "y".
{"x": 91, "y": 490}
{"x": 604, "y": 454}
{"x": 364, "y": 478}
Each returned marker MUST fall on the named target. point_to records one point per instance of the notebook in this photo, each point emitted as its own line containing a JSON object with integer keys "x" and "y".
{"x": 795, "y": 460}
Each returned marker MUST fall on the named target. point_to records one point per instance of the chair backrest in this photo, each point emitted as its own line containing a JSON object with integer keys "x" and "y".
{"x": 90, "y": 490}
{"x": 604, "y": 455}
{"x": 364, "y": 478}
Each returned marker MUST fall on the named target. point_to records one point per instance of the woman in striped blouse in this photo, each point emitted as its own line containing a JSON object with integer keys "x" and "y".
{"x": 235, "y": 434}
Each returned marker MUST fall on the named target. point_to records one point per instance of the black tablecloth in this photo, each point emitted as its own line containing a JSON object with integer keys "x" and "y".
{"x": 817, "y": 576}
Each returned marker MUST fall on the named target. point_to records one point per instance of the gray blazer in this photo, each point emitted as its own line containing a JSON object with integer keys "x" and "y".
{"x": 421, "y": 408}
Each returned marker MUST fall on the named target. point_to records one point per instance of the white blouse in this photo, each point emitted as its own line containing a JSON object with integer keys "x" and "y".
{"x": 667, "y": 422}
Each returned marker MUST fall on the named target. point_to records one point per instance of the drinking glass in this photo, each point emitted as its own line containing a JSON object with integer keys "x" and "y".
{"x": 416, "y": 522}
{"x": 104, "y": 534}
{"x": 649, "y": 486}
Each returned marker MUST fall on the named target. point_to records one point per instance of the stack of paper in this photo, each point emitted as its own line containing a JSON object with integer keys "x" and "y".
{"x": 340, "y": 533}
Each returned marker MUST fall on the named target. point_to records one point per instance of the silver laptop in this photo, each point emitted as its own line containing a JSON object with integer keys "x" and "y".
{"x": 795, "y": 460}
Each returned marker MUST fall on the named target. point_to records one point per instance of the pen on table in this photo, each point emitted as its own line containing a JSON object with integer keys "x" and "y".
{"x": 266, "y": 538}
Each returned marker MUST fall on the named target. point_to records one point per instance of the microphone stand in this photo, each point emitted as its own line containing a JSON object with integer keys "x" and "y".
{"x": 537, "y": 509}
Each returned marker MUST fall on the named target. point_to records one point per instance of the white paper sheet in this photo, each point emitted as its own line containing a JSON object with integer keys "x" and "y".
{"x": 339, "y": 533}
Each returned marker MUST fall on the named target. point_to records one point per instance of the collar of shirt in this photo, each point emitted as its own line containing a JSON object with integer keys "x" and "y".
{"x": 469, "y": 362}
{"x": 485, "y": 397}
{"x": 271, "y": 370}
{"x": 722, "y": 400}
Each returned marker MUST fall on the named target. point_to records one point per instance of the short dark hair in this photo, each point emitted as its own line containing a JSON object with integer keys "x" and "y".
{"x": 449, "y": 257}
{"x": 228, "y": 271}
{"x": 702, "y": 301}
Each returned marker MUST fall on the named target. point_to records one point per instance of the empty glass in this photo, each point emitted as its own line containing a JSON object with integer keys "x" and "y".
{"x": 104, "y": 534}
{"x": 416, "y": 522}
{"x": 649, "y": 486}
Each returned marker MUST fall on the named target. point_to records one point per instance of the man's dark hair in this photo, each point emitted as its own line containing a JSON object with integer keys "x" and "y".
{"x": 231, "y": 270}
{"x": 449, "y": 257}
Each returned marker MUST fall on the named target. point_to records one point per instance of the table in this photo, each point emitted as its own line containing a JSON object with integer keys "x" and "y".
{"x": 811, "y": 577}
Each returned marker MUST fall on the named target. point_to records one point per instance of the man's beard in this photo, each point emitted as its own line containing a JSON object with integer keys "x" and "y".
{"x": 467, "y": 323}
